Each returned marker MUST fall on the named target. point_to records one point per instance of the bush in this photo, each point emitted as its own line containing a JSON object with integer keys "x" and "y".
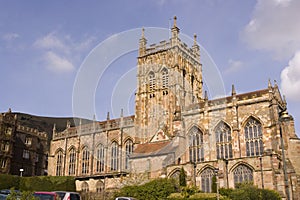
{"x": 196, "y": 196}
{"x": 250, "y": 192}
{"x": 156, "y": 189}
{"x": 9, "y": 181}
{"x": 38, "y": 183}
{"x": 182, "y": 177}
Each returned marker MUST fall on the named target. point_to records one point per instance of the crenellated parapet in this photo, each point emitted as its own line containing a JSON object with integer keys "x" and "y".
{"x": 95, "y": 127}
{"x": 32, "y": 131}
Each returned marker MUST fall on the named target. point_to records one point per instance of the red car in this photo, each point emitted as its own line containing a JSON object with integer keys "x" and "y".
{"x": 46, "y": 195}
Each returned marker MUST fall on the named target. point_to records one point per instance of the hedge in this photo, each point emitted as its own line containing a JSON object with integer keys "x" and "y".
{"x": 37, "y": 183}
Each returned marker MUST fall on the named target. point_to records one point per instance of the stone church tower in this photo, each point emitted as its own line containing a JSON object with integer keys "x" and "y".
{"x": 169, "y": 78}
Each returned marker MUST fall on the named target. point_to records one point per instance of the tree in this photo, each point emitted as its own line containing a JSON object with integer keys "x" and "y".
{"x": 214, "y": 184}
{"x": 182, "y": 177}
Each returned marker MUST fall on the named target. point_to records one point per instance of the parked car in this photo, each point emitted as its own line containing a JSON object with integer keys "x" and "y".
{"x": 125, "y": 198}
{"x": 65, "y": 195}
{"x": 3, "y": 196}
{"x": 46, "y": 196}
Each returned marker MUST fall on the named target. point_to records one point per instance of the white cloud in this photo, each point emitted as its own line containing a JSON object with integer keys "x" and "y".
{"x": 61, "y": 52}
{"x": 51, "y": 41}
{"x": 56, "y": 63}
{"x": 290, "y": 78}
{"x": 10, "y": 36}
{"x": 274, "y": 27}
{"x": 233, "y": 66}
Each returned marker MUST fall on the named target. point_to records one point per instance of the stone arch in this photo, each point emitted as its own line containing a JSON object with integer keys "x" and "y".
{"x": 197, "y": 126}
{"x": 174, "y": 173}
{"x": 241, "y": 163}
{"x": 248, "y": 117}
{"x": 71, "y": 147}
{"x": 126, "y": 139}
{"x": 205, "y": 167}
{"x": 59, "y": 150}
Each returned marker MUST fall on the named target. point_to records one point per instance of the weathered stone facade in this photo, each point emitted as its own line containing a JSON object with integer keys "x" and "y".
{"x": 23, "y": 149}
{"x": 242, "y": 137}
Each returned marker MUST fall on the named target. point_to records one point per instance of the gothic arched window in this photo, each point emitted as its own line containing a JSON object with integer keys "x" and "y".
{"x": 84, "y": 187}
{"x": 206, "y": 180}
{"x": 223, "y": 141}
{"x": 196, "y": 145}
{"x": 114, "y": 156}
{"x": 165, "y": 78}
{"x": 253, "y": 138}
{"x": 59, "y": 163}
{"x": 242, "y": 173}
{"x": 72, "y": 161}
{"x": 129, "y": 150}
{"x": 85, "y": 160}
{"x": 151, "y": 83}
{"x": 100, "y": 156}
{"x": 99, "y": 187}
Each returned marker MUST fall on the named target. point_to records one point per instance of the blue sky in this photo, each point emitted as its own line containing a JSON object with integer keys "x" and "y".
{"x": 44, "y": 43}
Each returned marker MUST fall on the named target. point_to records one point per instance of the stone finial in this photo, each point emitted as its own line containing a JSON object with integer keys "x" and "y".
{"x": 195, "y": 39}
{"x": 175, "y": 32}
{"x": 54, "y": 128}
{"x": 284, "y": 100}
{"x": 269, "y": 84}
{"x": 142, "y": 43}
{"x": 80, "y": 121}
{"x": 121, "y": 115}
{"x": 233, "y": 92}
{"x": 94, "y": 117}
{"x": 205, "y": 95}
{"x": 175, "y": 21}
{"x": 143, "y": 32}
{"x": 9, "y": 110}
{"x": 275, "y": 84}
{"x": 107, "y": 116}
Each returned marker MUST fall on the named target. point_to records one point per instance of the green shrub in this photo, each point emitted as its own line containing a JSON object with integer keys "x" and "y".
{"x": 153, "y": 190}
{"x": 9, "y": 181}
{"x": 182, "y": 177}
{"x": 250, "y": 192}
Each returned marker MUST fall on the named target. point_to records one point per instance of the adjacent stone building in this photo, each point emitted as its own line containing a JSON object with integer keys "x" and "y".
{"x": 24, "y": 150}
{"x": 241, "y": 137}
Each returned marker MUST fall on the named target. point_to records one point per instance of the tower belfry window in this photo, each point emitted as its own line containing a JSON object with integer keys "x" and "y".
{"x": 151, "y": 84}
{"x": 165, "y": 78}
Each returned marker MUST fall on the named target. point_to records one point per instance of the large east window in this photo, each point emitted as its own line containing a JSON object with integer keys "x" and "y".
{"x": 253, "y": 137}
{"x": 196, "y": 149}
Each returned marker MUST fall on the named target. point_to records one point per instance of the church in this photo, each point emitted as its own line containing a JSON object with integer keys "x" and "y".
{"x": 237, "y": 138}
